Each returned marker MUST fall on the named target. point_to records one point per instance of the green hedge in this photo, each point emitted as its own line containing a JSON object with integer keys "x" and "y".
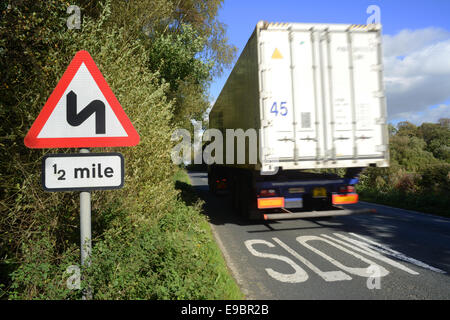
{"x": 147, "y": 244}
{"x": 426, "y": 190}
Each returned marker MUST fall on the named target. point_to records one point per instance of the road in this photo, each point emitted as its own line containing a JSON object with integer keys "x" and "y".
{"x": 391, "y": 254}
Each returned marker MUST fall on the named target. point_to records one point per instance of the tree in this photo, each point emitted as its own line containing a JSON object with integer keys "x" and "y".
{"x": 406, "y": 128}
{"x": 187, "y": 46}
{"x": 39, "y": 230}
{"x": 392, "y": 130}
{"x": 437, "y": 139}
{"x": 174, "y": 56}
{"x": 410, "y": 152}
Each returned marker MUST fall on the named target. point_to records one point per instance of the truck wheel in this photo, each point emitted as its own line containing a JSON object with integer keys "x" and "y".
{"x": 211, "y": 180}
{"x": 247, "y": 205}
{"x": 243, "y": 200}
{"x": 234, "y": 193}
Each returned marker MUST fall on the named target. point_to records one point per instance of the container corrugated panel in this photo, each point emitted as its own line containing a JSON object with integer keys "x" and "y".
{"x": 314, "y": 94}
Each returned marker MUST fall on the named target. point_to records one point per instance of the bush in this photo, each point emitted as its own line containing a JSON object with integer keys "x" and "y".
{"x": 436, "y": 178}
{"x": 143, "y": 235}
{"x": 427, "y": 190}
{"x": 41, "y": 272}
{"x": 173, "y": 259}
{"x": 419, "y": 176}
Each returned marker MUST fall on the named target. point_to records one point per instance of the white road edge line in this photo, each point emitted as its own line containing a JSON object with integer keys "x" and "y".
{"x": 397, "y": 254}
{"x": 412, "y": 212}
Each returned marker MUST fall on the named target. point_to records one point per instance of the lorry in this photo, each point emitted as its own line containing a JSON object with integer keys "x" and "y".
{"x": 313, "y": 96}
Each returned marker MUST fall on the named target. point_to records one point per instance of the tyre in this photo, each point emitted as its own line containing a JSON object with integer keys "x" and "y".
{"x": 234, "y": 193}
{"x": 211, "y": 180}
{"x": 247, "y": 203}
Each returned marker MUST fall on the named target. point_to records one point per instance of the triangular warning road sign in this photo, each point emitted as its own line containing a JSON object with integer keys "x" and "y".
{"x": 82, "y": 111}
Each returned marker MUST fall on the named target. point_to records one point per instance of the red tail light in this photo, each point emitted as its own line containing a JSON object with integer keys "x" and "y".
{"x": 347, "y": 189}
{"x": 221, "y": 184}
{"x": 267, "y": 193}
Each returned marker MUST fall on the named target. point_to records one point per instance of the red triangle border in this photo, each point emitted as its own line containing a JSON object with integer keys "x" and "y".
{"x": 32, "y": 141}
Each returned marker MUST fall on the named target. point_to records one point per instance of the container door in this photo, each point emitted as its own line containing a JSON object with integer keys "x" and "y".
{"x": 277, "y": 105}
{"x": 336, "y": 73}
{"x": 369, "y": 100}
{"x": 307, "y": 83}
{"x": 354, "y": 94}
{"x": 338, "y": 85}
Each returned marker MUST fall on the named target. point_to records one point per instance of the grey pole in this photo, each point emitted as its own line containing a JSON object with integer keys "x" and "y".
{"x": 85, "y": 230}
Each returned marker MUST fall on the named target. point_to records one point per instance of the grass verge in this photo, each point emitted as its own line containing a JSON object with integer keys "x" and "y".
{"x": 224, "y": 282}
{"x": 171, "y": 257}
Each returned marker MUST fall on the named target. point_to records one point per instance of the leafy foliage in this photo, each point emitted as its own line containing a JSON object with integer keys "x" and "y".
{"x": 419, "y": 173}
{"x": 143, "y": 234}
{"x": 188, "y": 46}
{"x": 174, "y": 57}
{"x": 173, "y": 259}
{"x": 437, "y": 139}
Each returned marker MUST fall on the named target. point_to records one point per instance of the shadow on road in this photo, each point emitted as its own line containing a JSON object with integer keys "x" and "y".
{"x": 219, "y": 210}
{"x": 426, "y": 238}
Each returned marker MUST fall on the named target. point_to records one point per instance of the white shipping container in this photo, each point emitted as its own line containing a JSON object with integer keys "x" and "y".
{"x": 314, "y": 94}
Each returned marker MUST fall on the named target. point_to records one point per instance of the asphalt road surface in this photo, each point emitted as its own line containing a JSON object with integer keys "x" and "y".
{"x": 391, "y": 254}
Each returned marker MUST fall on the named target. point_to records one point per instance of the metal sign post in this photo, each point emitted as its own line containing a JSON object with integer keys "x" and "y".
{"x": 84, "y": 171}
{"x": 85, "y": 231}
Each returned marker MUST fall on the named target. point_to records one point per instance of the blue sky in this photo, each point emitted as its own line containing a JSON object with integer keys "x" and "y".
{"x": 416, "y": 32}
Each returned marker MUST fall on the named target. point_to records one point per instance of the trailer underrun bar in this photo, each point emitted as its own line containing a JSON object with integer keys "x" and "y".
{"x": 314, "y": 214}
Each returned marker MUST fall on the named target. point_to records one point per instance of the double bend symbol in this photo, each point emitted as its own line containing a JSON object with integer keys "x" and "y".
{"x": 75, "y": 119}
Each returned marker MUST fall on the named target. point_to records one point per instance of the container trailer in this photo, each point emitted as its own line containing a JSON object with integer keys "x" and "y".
{"x": 309, "y": 96}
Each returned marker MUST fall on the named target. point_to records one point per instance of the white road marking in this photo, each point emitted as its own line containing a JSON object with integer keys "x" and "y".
{"x": 374, "y": 281}
{"x": 363, "y": 272}
{"x": 386, "y": 250}
{"x": 364, "y": 245}
{"x": 299, "y": 275}
{"x": 326, "y": 275}
{"x": 365, "y": 249}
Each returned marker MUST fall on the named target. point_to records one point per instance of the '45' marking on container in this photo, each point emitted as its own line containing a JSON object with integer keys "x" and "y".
{"x": 283, "y": 109}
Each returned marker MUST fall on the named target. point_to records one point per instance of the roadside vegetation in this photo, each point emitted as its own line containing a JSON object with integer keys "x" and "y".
{"x": 148, "y": 243}
{"x": 419, "y": 174}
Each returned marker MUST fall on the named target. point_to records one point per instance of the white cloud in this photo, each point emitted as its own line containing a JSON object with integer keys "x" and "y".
{"x": 408, "y": 41}
{"x": 417, "y": 73}
{"x": 431, "y": 114}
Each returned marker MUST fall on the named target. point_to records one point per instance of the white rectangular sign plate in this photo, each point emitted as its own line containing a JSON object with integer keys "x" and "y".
{"x": 82, "y": 171}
